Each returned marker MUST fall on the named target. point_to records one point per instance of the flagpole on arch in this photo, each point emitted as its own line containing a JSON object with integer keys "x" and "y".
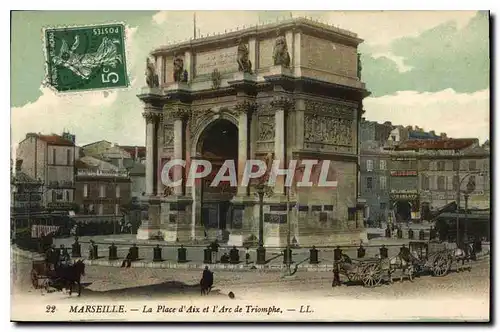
{"x": 194, "y": 25}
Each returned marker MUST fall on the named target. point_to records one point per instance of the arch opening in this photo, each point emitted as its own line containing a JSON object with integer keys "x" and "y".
{"x": 218, "y": 142}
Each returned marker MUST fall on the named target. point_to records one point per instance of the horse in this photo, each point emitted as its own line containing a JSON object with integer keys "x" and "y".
{"x": 71, "y": 274}
{"x": 403, "y": 262}
{"x": 465, "y": 254}
{"x": 206, "y": 282}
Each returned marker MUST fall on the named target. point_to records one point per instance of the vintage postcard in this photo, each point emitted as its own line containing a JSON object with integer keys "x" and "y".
{"x": 256, "y": 166}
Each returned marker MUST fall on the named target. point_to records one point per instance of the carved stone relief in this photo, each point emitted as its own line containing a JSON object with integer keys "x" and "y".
{"x": 341, "y": 111}
{"x": 327, "y": 130}
{"x": 168, "y": 136}
{"x": 266, "y": 128}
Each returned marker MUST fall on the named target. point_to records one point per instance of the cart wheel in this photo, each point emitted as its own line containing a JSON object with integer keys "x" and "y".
{"x": 34, "y": 279}
{"x": 441, "y": 266}
{"x": 372, "y": 277}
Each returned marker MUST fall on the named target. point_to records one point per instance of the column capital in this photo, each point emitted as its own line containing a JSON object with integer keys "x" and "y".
{"x": 152, "y": 117}
{"x": 281, "y": 103}
{"x": 245, "y": 107}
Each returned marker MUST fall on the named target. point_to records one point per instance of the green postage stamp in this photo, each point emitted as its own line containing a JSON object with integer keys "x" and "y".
{"x": 86, "y": 58}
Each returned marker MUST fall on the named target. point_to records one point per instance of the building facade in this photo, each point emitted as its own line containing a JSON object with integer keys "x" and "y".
{"x": 102, "y": 189}
{"x": 50, "y": 159}
{"x": 289, "y": 90}
{"x": 375, "y": 182}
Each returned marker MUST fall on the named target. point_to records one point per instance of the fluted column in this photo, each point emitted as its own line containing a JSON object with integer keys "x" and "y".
{"x": 149, "y": 116}
{"x": 280, "y": 106}
{"x": 244, "y": 110}
{"x": 179, "y": 115}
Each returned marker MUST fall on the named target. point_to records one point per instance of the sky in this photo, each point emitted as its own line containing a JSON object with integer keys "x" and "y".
{"x": 424, "y": 68}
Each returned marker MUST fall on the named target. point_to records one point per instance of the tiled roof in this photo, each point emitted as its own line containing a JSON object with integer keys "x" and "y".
{"x": 440, "y": 144}
{"x": 55, "y": 140}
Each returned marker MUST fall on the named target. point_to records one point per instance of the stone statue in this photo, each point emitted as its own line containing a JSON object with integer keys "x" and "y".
{"x": 244, "y": 63}
{"x": 360, "y": 67}
{"x": 152, "y": 80}
{"x": 179, "y": 75}
{"x": 280, "y": 52}
{"x": 216, "y": 79}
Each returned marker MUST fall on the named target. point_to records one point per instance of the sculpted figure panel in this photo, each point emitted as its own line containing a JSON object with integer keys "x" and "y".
{"x": 152, "y": 80}
{"x": 244, "y": 63}
{"x": 266, "y": 128}
{"x": 281, "y": 57}
{"x": 327, "y": 130}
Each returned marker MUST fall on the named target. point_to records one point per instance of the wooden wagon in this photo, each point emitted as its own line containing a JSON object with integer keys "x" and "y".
{"x": 432, "y": 256}
{"x": 42, "y": 276}
{"x": 367, "y": 271}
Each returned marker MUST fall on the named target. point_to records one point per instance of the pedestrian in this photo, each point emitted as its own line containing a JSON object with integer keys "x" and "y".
{"x": 247, "y": 255}
{"x": 337, "y": 256}
{"x": 127, "y": 262}
{"x": 91, "y": 250}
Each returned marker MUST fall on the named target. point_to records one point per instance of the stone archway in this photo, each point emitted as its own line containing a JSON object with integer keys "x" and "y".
{"x": 216, "y": 142}
{"x": 403, "y": 210}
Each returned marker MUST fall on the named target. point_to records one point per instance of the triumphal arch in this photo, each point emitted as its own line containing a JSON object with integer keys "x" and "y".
{"x": 289, "y": 90}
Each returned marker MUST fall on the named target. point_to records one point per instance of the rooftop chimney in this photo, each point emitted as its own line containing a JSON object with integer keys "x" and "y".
{"x": 19, "y": 163}
{"x": 28, "y": 135}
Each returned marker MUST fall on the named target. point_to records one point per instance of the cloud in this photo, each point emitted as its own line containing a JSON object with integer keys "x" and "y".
{"x": 445, "y": 56}
{"x": 380, "y": 28}
{"x": 457, "y": 114}
{"x": 398, "y": 60}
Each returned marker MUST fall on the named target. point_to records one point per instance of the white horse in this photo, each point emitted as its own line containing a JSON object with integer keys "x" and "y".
{"x": 463, "y": 255}
{"x": 398, "y": 262}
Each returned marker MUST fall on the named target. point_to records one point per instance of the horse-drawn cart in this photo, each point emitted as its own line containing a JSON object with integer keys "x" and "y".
{"x": 367, "y": 271}
{"x": 432, "y": 256}
{"x": 41, "y": 271}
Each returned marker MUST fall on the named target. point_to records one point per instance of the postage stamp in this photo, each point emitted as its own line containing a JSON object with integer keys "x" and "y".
{"x": 86, "y": 58}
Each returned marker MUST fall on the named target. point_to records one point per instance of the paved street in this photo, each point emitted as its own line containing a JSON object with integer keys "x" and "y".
{"x": 109, "y": 281}
{"x": 457, "y": 296}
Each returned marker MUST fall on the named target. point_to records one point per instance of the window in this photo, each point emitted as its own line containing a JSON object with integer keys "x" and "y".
{"x": 53, "y": 156}
{"x": 117, "y": 191}
{"x": 85, "y": 190}
{"x": 455, "y": 165}
{"x": 117, "y": 209}
{"x": 440, "y": 183}
{"x": 369, "y": 183}
{"x": 425, "y": 182}
{"x": 91, "y": 208}
{"x": 383, "y": 165}
{"x": 67, "y": 196}
{"x": 54, "y": 196}
{"x": 102, "y": 190}
{"x": 101, "y": 208}
{"x": 424, "y": 165}
{"x": 393, "y": 137}
{"x": 383, "y": 206}
{"x": 68, "y": 157}
{"x": 472, "y": 165}
{"x": 455, "y": 182}
{"x": 369, "y": 165}
{"x": 441, "y": 165}
{"x": 383, "y": 182}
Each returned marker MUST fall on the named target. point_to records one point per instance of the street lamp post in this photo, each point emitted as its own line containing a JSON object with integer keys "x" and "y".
{"x": 262, "y": 189}
{"x": 471, "y": 186}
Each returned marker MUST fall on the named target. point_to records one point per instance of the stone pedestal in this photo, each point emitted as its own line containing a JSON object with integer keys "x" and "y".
{"x": 151, "y": 227}
{"x": 244, "y": 223}
{"x": 177, "y": 221}
{"x": 184, "y": 86}
{"x": 280, "y": 70}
